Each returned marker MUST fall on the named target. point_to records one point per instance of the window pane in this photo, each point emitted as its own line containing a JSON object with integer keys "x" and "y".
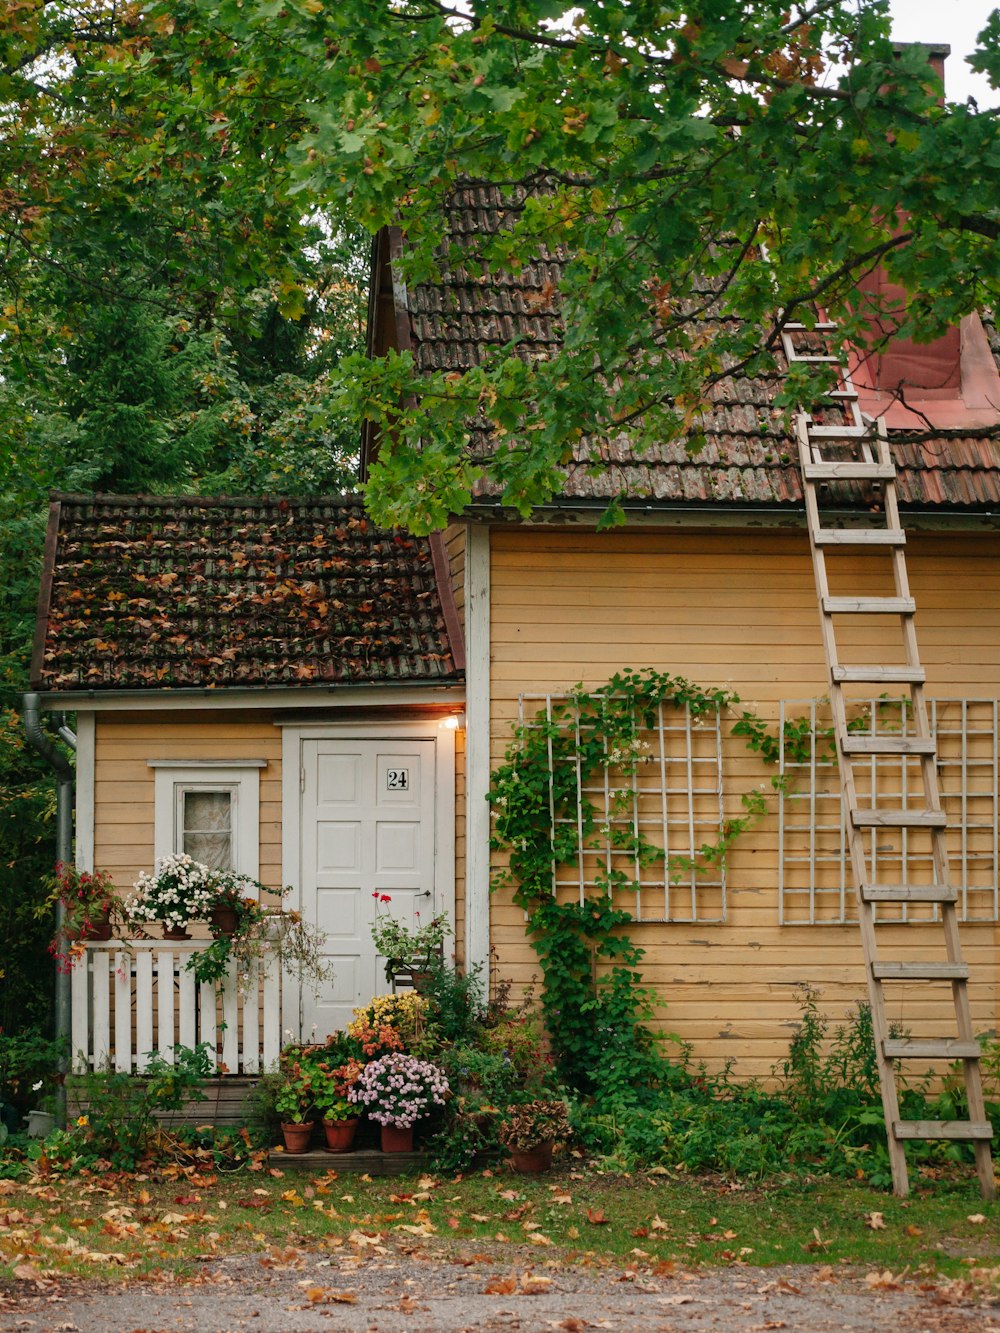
{"x": 207, "y": 833}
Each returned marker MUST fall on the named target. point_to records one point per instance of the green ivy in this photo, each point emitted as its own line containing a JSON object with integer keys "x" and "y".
{"x": 595, "y": 1007}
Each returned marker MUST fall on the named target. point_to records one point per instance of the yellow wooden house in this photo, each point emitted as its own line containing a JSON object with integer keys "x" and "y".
{"x": 332, "y": 699}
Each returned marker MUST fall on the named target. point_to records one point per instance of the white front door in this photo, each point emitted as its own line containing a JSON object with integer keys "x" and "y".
{"x": 367, "y": 829}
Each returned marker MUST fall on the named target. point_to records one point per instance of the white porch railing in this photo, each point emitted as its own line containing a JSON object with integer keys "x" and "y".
{"x": 128, "y": 1003}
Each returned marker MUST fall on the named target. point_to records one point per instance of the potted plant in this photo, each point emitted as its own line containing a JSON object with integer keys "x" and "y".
{"x": 389, "y": 1023}
{"x": 295, "y": 945}
{"x": 90, "y": 909}
{"x": 235, "y": 902}
{"x": 338, "y": 1114}
{"x": 295, "y": 1099}
{"x": 397, "y": 1091}
{"x": 179, "y": 890}
{"x": 530, "y": 1130}
{"x": 407, "y": 951}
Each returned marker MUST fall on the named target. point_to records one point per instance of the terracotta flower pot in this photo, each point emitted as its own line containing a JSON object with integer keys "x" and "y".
{"x": 176, "y": 933}
{"x": 99, "y": 928}
{"x": 532, "y": 1161}
{"x": 297, "y": 1136}
{"x": 223, "y": 921}
{"x": 340, "y": 1134}
{"x": 395, "y": 1139}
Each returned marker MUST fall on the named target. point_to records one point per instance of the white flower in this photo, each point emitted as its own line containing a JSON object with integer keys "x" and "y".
{"x": 36, "y": 1086}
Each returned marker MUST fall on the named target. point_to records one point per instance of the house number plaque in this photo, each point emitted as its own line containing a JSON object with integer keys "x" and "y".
{"x": 397, "y": 779}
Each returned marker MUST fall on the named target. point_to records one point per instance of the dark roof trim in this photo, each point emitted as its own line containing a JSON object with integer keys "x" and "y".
{"x": 400, "y": 300}
{"x": 45, "y": 593}
{"x": 452, "y": 624}
{"x": 209, "y": 501}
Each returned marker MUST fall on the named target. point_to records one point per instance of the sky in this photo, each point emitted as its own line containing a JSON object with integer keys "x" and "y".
{"x": 956, "y": 22}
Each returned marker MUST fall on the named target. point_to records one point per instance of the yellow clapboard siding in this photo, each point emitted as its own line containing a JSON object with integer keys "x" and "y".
{"x": 124, "y": 811}
{"x": 737, "y": 610}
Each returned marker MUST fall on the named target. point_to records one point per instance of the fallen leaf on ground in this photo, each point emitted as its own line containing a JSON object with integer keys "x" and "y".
{"x": 327, "y": 1296}
{"x": 875, "y": 1221}
{"x": 533, "y": 1285}
{"x": 596, "y": 1217}
{"x": 883, "y": 1280}
{"x": 500, "y": 1286}
{"x": 976, "y": 1218}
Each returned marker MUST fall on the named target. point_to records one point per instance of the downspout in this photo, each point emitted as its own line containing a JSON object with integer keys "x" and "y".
{"x": 65, "y": 777}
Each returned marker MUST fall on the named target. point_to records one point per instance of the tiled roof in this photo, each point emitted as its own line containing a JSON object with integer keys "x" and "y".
{"x": 147, "y": 592}
{"x": 750, "y": 457}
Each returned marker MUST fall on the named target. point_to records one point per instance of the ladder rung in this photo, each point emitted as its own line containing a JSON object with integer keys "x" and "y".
{"x": 854, "y": 744}
{"x": 859, "y": 537}
{"x": 796, "y": 326}
{"x": 909, "y": 893}
{"x": 943, "y": 1048}
{"x": 862, "y": 606}
{"x": 849, "y": 472}
{"x": 866, "y": 817}
{"x": 841, "y": 432}
{"x": 942, "y": 1129}
{"x": 901, "y": 675}
{"x": 816, "y": 358}
{"x": 920, "y": 971}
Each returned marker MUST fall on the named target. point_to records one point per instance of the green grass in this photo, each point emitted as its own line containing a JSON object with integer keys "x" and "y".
{"x": 131, "y": 1225}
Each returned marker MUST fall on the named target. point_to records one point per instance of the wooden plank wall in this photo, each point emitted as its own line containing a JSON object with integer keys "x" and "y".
{"x": 124, "y": 782}
{"x": 734, "y": 609}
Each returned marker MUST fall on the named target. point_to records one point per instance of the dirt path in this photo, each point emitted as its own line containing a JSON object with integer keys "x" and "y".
{"x": 299, "y": 1292}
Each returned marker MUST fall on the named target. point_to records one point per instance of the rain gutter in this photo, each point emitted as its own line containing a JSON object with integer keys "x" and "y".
{"x": 65, "y": 781}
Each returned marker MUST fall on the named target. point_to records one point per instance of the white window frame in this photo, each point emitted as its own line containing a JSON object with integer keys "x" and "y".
{"x": 239, "y": 777}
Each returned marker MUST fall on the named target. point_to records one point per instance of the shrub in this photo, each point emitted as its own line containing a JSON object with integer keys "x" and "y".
{"x": 120, "y": 1125}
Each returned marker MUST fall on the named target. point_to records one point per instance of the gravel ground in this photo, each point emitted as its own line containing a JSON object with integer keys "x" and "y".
{"x": 299, "y": 1292}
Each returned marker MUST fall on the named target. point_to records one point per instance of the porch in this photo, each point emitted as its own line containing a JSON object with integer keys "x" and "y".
{"x": 131, "y": 1000}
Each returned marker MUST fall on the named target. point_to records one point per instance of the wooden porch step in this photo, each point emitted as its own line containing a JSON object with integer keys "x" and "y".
{"x": 909, "y": 893}
{"x": 849, "y": 472}
{"x": 855, "y": 744}
{"x": 859, "y": 537}
{"x": 877, "y": 675}
{"x": 869, "y": 606}
{"x": 920, "y": 971}
{"x": 942, "y": 1129}
{"x": 361, "y": 1161}
{"x": 870, "y": 817}
{"x": 943, "y": 1048}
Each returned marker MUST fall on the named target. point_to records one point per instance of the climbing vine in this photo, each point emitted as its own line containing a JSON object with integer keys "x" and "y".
{"x": 595, "y": 1007}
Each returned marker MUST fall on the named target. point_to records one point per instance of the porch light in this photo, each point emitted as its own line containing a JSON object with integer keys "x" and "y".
{"x": 454, "y": 722}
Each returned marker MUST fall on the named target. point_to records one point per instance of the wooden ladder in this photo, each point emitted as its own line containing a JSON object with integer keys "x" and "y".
{"x": 853, "y": 451}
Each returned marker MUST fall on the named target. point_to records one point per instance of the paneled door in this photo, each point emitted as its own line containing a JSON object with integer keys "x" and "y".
{"x": 367, "y": 828}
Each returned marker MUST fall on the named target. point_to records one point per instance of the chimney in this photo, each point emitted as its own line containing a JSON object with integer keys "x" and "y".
{"x": 948, "y": 383}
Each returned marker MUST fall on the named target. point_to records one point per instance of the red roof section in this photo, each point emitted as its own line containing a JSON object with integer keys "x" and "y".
{"x": 150, "y": 592}
{"x": 750, "y": 457}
